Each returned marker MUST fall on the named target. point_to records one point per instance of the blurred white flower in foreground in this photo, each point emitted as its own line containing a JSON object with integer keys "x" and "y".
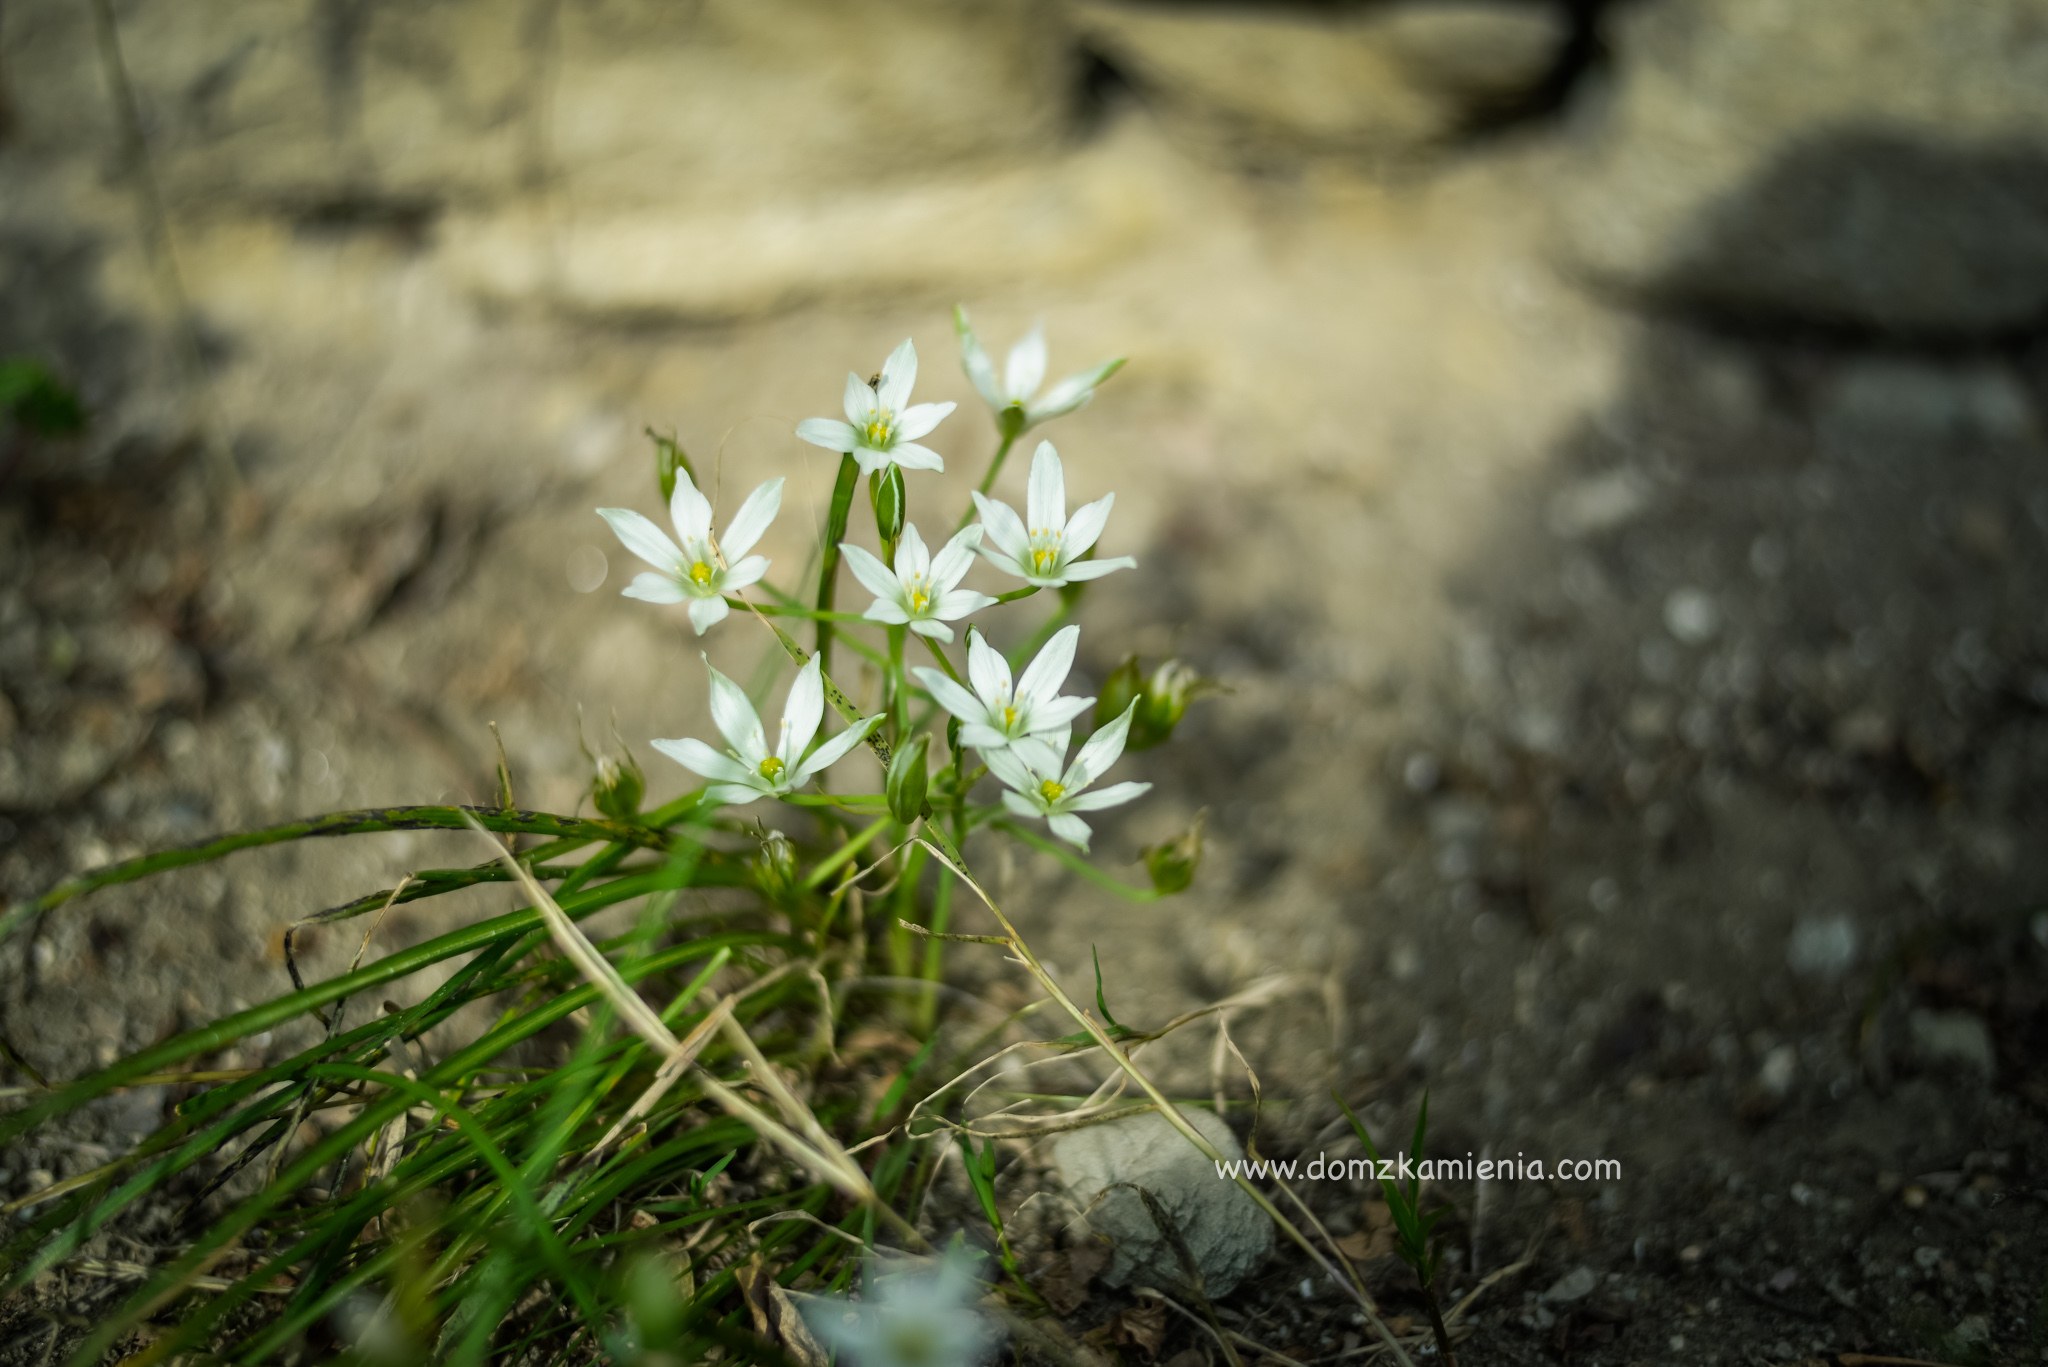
{"x": 696, "y": 572}
{"x": 1015, "y": 391}
{"x": 882, "y": 425}
{"x": 998, "y": 712}
{"x": 1031, "y": 769}
{"x": 1045, "y": 546}
{"x": 750, "y": 769}
{"x": 909, "y": 1319}
{"x": 923, "y": 590}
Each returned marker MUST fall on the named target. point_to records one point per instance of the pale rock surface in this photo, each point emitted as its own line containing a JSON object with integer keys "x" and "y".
{"x": 1226, "y": 1233}
{"x": 1387, "y": 78}
{"x": 1853, "y": 163}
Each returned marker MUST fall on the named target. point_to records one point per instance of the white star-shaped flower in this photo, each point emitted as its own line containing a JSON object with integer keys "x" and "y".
{"x": 1023, "y": 371}
{"x": 696, "y": 572}
{"x": 909, "y": 1319}
{"x": 997, "y": 713}
{"x": 750, "y": 769}
{"x": 1045, "y": 547}
{"x": 882, "y": 425}
{"x": 1031, "y": 770}
{"x": 923, "y": 590}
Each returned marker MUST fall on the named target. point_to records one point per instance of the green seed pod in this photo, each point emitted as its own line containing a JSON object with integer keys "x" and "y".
{"x": 1172, "y": 863}
{"x": 618, "y": 786}
{"x": 886, "y": 497}
{"x": 669, "y": 457}
{"x": 909, "y": 779}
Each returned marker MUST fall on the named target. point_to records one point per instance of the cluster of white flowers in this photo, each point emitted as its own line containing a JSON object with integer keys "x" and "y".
{"x": 1021, "y": 730}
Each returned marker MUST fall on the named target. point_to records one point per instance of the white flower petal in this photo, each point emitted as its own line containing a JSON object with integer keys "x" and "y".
{"x": 828, "y": 754}
{"x": 1045, "y": 500}
{"x": 920, "y": 418}
{"x": 700, "y": 758}
{"x": 644, "y": 539}
{"x": 650, "y": 587}
{"x": 956, "y": 557}
{"x": 859, "y": 401}
{"x": 1057, "y": 714}
{"x": 911, "y": 456}
{"x": 1094, "y": 569}
{"x": 736, "y": 719}
{"x": 733, "y": 794}
{"x": 829, "y": 433}
{"x": 1043, "y": 676}
{"x": 981, "y": 736}
{"x": 752, "y": 519}
{"x": 1005, "y": 529}
{"x": 745, "y": 573}
{"x": 689, "y": 510}
{"x": 706, "y": 613}
{"x": 899, "y": 373}
{"x": 1115, "y": 795}
{"x": 1025, "y": 370}
{"x": 936, "y": 630}
{"x": 1085, "y": 528}
{"x": 950, "y": 695}
{"x": 913, "y": 558}
{"x": 988, "y": 671}
{"x": 803, "y": 711}
{"x": 1022, "y": 805}
{"x": 874, "y": 576}
{"x": 1099, "y": 752}
{"x": 1073, "y": 392}
{"x": 981, "y": 372}
{"x": 1070, "y": 828}
{"x": 954, "y": 604}
{"x": 1041, "y": 754}
{"x": 1008, "y": 766}
{"x": 887, "y": 610}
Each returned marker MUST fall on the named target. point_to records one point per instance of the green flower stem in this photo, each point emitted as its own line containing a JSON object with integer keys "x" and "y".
{"x": 1066, "y": 856}
{"x": 793, "y": 610}
{"x": 988, "y": 478}
{"x": 894, "y": 700}
{"x": 358, "y": 822}
{"x": 940, "y": 656}
{"x": 828, "y": 564}
{"x": 1014, "y": 594}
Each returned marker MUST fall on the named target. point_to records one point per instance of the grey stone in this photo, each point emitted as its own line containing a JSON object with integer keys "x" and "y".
{"x": 1574, "y": 1285}
{"x": 1102, "y": 1169}
{"x": 1953, "y": 1039}
{"x": 1823, "y": 947}
{"x": 1867, "y": 163}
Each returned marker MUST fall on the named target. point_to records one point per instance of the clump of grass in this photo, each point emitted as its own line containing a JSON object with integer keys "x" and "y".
{"x": 759, "y": 1087}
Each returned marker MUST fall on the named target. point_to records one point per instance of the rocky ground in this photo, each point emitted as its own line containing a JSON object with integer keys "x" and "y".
{"x": 1598, "y": 446}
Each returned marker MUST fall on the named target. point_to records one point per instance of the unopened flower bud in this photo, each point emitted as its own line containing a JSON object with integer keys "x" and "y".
{"x": 1119, "y": 691}
{"x": 1164, "y": 702}
{"x": 669, "y": 457}
{"x": 909, "y": 779}
{"x": 617, "y": 785}
{"x": 886, "y": 497}
{"x": 1172, "y": 863}
{"x": 775, "y": 865}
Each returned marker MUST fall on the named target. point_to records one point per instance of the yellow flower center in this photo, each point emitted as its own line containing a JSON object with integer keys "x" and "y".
{"x": 771, "y": 769}
{"x": 920, "y": 601}
{"x": 1009, "y": 717}
{"x": 879, "y": 433}
{"x": 1045, "y": 551}
{"x": 1050, "y": 790}
{"x": 700, "y": 575}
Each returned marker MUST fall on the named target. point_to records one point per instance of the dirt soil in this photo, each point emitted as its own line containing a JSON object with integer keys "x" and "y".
{"x": 1636, "y": 730}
